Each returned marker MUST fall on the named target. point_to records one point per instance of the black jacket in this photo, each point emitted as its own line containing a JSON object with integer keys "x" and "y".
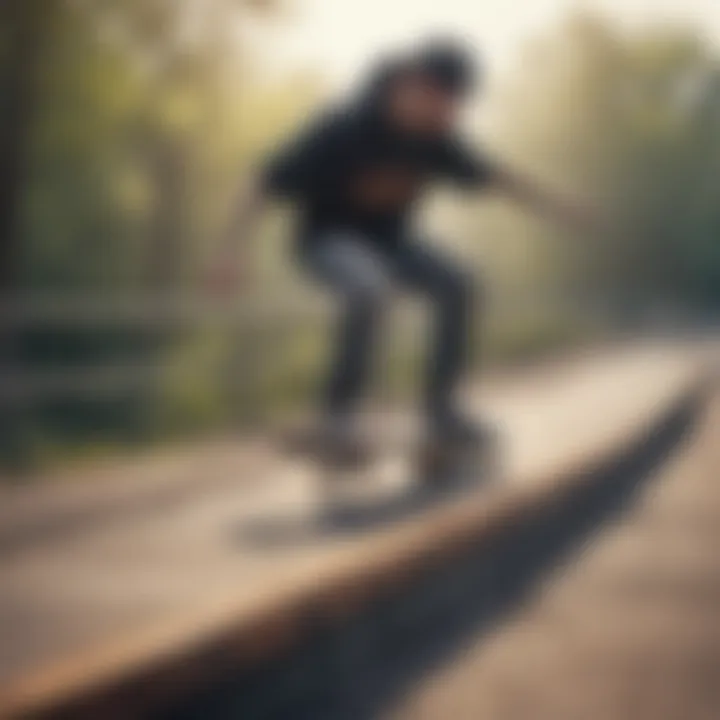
{"x": 350, "y": 171}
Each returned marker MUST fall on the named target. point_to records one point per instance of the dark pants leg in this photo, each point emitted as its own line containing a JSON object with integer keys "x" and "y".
{"x": 353, "y": 352}
{"x": 451, "y": 292}
{"x": 361, "y": 278}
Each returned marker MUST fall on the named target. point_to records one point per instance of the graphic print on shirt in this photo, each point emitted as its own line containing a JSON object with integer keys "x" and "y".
{"x": 385, "y": 187}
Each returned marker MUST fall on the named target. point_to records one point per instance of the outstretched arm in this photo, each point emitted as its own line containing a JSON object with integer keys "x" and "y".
{"x": 233, "y": 262}
{"x": 472, "y": 169}
{"x": 536, "y": 198}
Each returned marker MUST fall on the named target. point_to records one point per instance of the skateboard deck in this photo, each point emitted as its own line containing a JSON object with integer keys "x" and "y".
{"x": 402, "y": 475}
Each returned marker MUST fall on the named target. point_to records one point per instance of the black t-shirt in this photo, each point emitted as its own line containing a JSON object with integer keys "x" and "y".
{"x": 348, "y": 171}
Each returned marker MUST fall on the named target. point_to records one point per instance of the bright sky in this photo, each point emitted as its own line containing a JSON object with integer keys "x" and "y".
{"x": 340, "y": 36}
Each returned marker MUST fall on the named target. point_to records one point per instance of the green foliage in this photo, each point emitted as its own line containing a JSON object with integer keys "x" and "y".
{"x": 630, "y": 121}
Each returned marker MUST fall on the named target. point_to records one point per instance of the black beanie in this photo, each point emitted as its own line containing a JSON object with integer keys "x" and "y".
{"x": 448, "y": 63}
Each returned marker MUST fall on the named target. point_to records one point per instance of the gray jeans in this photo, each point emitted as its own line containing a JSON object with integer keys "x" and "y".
{"x": 363, "y": 278}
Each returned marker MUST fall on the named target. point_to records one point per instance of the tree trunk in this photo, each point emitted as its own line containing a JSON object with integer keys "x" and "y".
{"x": 23, "y": 25}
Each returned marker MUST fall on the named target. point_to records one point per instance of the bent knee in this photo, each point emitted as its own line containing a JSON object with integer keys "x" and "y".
{"x": 460, "y": 287}
{"x": 369, "y": 294}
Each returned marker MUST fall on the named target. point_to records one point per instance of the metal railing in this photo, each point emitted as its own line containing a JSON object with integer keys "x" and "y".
{"x": 172, "y": 316}
{"x": 156, "y": 315}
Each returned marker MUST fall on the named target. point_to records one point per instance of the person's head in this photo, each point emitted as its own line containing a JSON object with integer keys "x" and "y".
{"x": 427, "y": 90}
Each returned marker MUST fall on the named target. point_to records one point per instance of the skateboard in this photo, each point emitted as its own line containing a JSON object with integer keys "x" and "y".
{"x": 444, "y": 465}
{"x": 427, "y": 471}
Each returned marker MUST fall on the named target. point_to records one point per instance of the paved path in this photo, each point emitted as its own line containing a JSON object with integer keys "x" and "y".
{"x": 631, "y": 631}
{"x": 243, "y": 529}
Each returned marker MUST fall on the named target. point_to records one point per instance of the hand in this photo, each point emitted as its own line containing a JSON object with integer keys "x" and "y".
{"x": 227, "y": 274}
{"x": 230, "y": 269}
{"x": 557, "y": 208}
{"x": 582, "y": 218}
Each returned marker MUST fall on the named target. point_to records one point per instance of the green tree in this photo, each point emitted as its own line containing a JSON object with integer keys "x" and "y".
{"x": 631, "y": 122}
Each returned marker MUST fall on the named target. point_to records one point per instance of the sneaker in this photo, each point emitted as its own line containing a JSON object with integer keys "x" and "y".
{"x": 456, "y": 429}
{"x": 335, "y": 443}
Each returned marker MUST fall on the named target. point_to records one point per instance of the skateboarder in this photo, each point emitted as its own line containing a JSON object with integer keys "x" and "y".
{"x": 356, "y": 173}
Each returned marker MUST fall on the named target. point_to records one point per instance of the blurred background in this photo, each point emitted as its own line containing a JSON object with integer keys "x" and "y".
{"x": 126, "y": 126}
